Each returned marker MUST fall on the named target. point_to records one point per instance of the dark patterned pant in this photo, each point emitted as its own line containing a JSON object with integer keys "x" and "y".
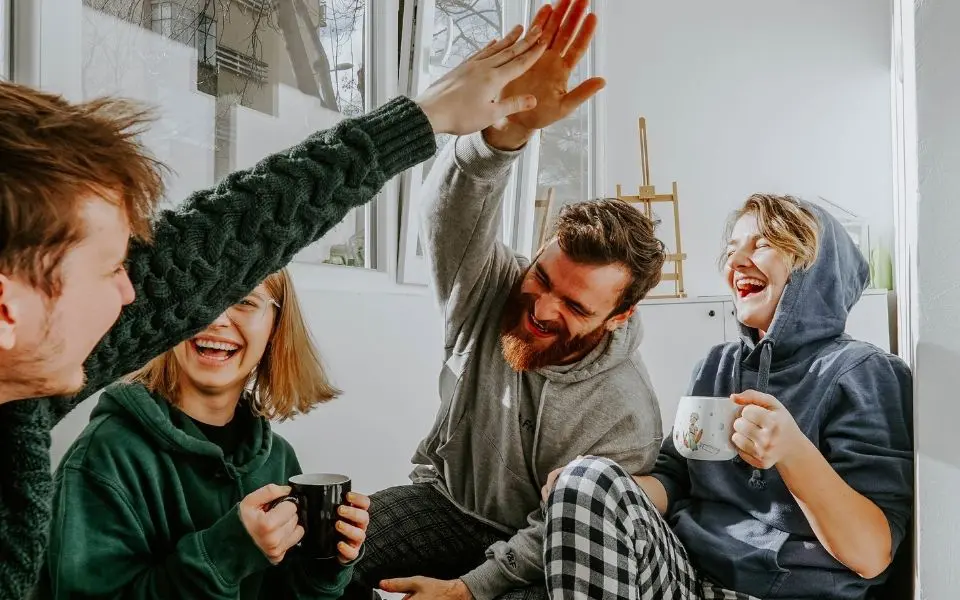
{"x": 415, "y": 530}
{"x": 605, "y": 539}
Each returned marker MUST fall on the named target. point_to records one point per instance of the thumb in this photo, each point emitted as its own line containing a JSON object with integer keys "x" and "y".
{"x": 401, "y": 584}
{"x": 265, "y": 495}
{"x": 513, "y": 105}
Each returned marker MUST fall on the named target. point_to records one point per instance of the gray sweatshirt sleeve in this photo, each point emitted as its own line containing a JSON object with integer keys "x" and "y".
{"x": 514, "y": 563}
{"x": 460, "y": 218}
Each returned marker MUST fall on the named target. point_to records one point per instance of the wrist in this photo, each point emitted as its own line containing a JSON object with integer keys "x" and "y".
{"x": 801, "y": 454}
{"x": 434, "y": 116}
{"x": 461, "y": 589}
{"x": 508, "y": 137}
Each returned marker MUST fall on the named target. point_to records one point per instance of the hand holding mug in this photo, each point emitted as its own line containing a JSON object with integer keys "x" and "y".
{"x": 354, "y": 518}
{"x": 765, "y": 432}
{"x": 274, "y": 530}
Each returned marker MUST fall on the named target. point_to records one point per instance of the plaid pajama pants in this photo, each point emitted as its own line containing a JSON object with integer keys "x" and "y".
{"x": 415, "y": 530}
{"x": 605, "y": 539}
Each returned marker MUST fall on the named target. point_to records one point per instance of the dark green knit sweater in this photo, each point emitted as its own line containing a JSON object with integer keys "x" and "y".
{"x": 205, "y": 256}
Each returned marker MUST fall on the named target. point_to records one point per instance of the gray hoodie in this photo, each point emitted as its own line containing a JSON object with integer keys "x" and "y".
{"x": 740, "y": 525}
{"x": 499, "y": 433}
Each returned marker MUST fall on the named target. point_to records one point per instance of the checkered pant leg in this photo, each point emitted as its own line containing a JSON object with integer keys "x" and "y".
{"x": 605, "y": 539}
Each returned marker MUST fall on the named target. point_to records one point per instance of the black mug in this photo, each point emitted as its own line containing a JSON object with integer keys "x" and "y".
{"x": 318, "y": 496}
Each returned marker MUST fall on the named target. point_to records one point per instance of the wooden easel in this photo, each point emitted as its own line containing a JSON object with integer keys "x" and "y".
{"x": 648, "y": 196}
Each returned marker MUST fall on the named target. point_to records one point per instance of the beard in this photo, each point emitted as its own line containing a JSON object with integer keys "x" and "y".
{"x": 520, "y": 347}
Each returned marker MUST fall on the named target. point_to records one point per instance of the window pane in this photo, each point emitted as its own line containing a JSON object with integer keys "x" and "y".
{"x": 460, "y": 28}
{"x": 6, "y": 39}
{"x": 231, "y": 83}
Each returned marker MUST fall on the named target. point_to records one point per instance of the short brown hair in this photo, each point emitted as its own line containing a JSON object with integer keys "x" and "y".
{"x": 53, "y": 156}
{"x": 608, "y": 231}
{"x": 289, "y": 380}
{"x": 791, "y": 228}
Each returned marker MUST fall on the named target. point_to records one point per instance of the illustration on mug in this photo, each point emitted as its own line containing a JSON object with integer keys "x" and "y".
{"x": 693, "y": 434}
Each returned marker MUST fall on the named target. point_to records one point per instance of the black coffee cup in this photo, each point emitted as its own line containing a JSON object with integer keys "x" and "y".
{"x": 318, "y": 496}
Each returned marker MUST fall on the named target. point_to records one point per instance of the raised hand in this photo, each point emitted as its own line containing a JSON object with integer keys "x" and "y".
{"x": 470, "y": 97}
{"x": 567, "y": 32}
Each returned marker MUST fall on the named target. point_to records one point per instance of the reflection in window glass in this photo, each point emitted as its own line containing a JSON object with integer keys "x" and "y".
{"x": 460, "y": 28}
{"x": 564, "y": 165}
{"x": 233, "y": 81}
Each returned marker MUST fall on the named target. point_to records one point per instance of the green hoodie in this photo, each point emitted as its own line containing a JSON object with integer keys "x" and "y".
{"x": 146, "y": 507}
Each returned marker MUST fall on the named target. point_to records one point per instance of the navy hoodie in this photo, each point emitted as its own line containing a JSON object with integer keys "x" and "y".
{"x": 740, "y": 525}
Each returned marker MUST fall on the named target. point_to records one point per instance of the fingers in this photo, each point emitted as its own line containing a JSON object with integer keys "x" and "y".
{"x": 760, "y": 417}
{"x": 752, "y": 460}
{"x": 279, "y": 515}
{"x": 495, "y": 46}
{"x": 579, "y": 46}
{"x": 347, "y": 552}
{"x": 401, "y": 584}
{"x": 745, "y": 444}
{"x": 580, "y": 94}
{"x": 755, "y": 397}
{"x": 265, "y": 495}
{"x": 520, "y": 50}
{"x": 542, "y": 16}
{"x": 355, "y": 516}
{"x": 355, "y": 536}
{"x": 522, "y": 63}
{"x": 571, "y": 23}
{"x": 274, "y": 541}
{"x": 359, "y": 501}
{"x": 556, "y": 19}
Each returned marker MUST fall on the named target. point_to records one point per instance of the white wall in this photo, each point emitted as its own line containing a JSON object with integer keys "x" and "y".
{"x": 938, "y": 282}
{"x": 747, "y": 96}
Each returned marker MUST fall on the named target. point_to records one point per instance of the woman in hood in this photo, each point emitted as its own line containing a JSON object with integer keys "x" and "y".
{"x": 820, "y": 496}
{"x": 167, "y": 492}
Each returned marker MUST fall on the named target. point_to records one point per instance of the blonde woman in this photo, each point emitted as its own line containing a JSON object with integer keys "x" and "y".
{"x": 166, "y": 493}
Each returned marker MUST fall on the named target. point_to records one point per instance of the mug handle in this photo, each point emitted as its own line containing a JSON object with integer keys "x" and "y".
{"x": 274, "y": 503}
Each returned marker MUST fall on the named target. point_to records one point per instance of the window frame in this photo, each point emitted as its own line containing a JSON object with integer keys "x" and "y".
{"x": 415, "y": 46}
{"x": 6, "y": 40}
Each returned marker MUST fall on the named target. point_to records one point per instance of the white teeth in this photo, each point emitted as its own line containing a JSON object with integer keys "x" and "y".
{"x": 216, "y": 345}
{"x": 749, "y": 281}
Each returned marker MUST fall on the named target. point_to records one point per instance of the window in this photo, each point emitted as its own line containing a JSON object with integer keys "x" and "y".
{"x": 564, "y": 165}
{"x": 6, "y": 39}
{"x": 206, "y": 40}
{"x": 437, "y": 36}
{"x": 161, "y": 18}
{"x": 270, "y": 73}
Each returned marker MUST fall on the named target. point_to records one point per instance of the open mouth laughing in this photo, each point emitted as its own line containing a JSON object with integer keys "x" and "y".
{"x": 212, "y": 351}
{"x": 748, "y": 287}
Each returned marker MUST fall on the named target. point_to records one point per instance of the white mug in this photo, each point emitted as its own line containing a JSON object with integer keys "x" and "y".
{"x": 703, "y": 427}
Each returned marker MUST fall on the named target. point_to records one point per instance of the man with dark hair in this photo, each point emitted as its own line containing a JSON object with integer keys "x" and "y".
{"x": 541, "y": 360}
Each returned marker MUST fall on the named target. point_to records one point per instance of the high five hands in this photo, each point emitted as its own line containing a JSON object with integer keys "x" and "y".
{"x": 514, "y": 86}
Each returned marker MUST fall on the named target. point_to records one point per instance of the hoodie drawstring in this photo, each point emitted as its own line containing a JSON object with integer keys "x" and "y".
{"x": 757, "y": 480}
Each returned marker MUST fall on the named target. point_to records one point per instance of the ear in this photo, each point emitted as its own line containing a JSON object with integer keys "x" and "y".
{"x": 8, "y": 314}
{"x": 617, "y": 321}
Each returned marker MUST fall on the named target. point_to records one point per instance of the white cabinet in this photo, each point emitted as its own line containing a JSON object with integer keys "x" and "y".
{"x": 676, "y": 336}
{"x": 678, "y": 333}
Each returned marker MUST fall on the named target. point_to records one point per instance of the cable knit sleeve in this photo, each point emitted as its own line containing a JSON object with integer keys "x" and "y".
{"x": 222, "y": 242}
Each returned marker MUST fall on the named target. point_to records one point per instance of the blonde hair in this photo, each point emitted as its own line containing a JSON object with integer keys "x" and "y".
{"x": 290, "y": 378}
{"x": 792, "y": 229}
